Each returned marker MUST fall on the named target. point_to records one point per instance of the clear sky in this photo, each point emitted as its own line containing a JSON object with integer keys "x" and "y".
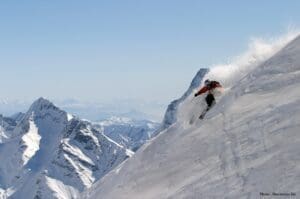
{"x": 115, "y": 49}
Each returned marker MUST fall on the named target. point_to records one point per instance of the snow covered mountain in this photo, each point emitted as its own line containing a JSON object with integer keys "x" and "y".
{"x": 131, "y": 134}
{"x": 247, "y": 145}
{"x": 47, "y": 153}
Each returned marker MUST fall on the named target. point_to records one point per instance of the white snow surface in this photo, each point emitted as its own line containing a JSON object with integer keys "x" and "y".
{"x": 70, "y": 116}
{"x": 59, "y": 189}
{"x": 31, "y": 141}
{"x": 248, "y": 142}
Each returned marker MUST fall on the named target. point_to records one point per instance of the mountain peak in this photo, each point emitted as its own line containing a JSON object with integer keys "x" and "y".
{"x": 171, "y": 112}
{"x": 42, "y": 100}
{"x": 42, "y": 104}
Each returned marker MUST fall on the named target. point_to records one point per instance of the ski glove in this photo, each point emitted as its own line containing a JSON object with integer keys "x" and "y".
{"x": 196, "y": 94}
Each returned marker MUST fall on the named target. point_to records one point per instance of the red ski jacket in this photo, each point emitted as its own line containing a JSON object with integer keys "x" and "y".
{"x": 212, "y": 85}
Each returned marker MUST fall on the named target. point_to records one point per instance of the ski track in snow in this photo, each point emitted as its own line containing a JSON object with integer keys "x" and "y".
{"x": 248, "y": 142}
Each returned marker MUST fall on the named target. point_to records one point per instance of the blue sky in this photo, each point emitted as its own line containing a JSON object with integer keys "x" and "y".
{"x": 105, "y": 50}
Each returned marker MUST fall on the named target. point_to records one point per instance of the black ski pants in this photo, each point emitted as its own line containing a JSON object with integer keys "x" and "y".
{"x": 210, "y": 100}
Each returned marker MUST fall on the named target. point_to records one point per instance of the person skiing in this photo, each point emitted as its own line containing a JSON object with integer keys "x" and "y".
{"x": 209, "y": 87}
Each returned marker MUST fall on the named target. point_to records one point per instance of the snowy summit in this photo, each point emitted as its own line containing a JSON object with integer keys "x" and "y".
{"x": 48, "y": 153}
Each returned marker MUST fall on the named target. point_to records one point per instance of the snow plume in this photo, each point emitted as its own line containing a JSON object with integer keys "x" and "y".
{"x": 228, "y": 75}
{"x": 247, "y": 144}
{"x": 259, "y": 50}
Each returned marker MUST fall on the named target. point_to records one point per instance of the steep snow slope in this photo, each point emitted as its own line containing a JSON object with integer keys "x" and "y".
{"x": 247, "y": 144}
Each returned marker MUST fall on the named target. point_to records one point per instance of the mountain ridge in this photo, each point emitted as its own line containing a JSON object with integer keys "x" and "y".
{"x": 53, "y": 154}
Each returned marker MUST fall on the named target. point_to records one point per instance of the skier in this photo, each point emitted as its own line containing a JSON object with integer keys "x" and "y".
{"x": 210, "y": 99}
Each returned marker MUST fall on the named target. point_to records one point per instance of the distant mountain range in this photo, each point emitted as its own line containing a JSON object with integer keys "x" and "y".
{"x": 95, "y": 110}
{"x": 47, "y": 152}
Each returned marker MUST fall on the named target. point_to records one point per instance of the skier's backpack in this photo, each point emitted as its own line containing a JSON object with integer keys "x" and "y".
{"x": 214, "y": 84}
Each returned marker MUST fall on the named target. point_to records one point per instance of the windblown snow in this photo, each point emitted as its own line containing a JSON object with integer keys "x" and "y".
{"x": 246, "y": 145}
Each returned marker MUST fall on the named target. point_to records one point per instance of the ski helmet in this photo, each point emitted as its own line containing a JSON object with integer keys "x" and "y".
{"x": 206, "y": 82}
